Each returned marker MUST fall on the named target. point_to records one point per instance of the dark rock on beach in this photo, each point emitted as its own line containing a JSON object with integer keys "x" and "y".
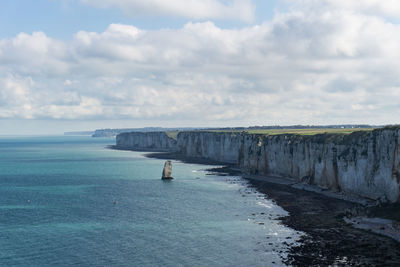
{"x": 329, "y": 241}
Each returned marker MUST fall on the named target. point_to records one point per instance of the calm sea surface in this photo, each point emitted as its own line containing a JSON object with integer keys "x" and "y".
{"x": 70, "y": 201}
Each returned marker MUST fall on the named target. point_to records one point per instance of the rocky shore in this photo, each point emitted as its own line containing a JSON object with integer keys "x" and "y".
{"x": 330, "y": 241}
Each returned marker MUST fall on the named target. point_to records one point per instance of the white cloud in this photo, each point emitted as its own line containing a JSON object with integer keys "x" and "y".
{"x": 42, "y": 52}
{"x": 389, "y": 8}
{"x": 196, "y": 9}
{"x": 15, "y": 97}
{"x": 22, "y": 98}
{"x": 330, "y": 66}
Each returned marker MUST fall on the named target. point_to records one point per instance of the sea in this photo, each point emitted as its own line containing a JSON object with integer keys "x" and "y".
{"x": 70, "y": 200}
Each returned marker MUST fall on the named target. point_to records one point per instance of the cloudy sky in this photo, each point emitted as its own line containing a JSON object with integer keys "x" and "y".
{"x": 87, "y": 64}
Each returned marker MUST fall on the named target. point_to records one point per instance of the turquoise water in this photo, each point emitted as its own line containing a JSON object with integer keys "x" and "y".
{"x": 70, "y": 201}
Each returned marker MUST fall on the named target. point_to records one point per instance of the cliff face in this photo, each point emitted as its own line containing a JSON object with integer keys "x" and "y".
{"x": 222, "y": 147}
{"x": 149, "y": 141}
{"x": 363, "y": 163}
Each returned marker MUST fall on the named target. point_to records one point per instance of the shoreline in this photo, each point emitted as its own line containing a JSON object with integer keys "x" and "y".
{"x": 329, "y": 239}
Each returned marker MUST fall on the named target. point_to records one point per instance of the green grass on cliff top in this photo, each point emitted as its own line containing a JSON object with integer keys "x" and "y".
{"x": 310, "y": 131}
{"x": 172, "y": 134}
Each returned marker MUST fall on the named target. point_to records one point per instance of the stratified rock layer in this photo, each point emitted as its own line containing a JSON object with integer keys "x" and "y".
{"x": 362, "y": 163}
{"x": 167, "y": 171}
{"x": 147, "y": 141}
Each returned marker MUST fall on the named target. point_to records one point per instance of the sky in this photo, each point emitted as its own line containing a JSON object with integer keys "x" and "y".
{"x": 70, "y": 65}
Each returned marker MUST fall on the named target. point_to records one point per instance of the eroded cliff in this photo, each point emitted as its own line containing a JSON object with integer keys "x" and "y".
{"x": 362, "y": 163}
{"x": 218, "y": 146}
{"x": 147, "y": 141}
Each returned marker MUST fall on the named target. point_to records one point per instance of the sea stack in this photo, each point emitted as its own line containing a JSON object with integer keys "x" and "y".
{"x": 167, "y": 171}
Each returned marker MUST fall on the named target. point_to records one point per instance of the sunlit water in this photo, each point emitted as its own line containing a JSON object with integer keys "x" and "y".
{"x": 71, "y": 201}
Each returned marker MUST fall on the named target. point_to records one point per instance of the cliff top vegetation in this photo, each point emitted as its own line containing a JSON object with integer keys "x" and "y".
{"x": 308, "y": 131}
{"x": 172, "y": 134}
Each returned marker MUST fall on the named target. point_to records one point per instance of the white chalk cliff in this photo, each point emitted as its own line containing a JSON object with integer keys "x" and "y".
{"x": 363, "y": 163}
